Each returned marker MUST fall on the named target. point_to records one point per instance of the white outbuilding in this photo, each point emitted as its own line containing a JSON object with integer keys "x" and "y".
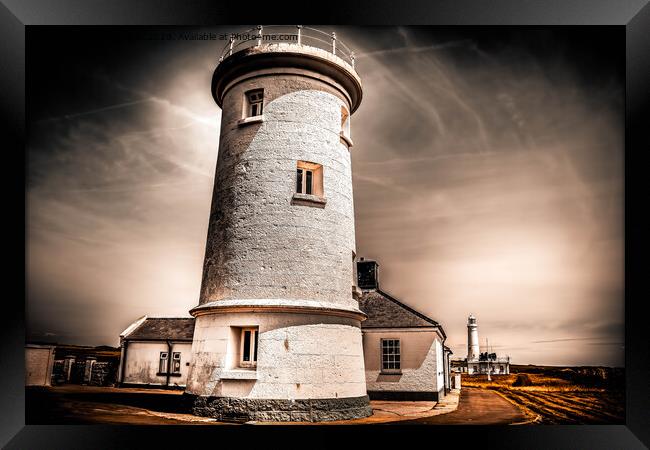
{"x": 156, "y": 351}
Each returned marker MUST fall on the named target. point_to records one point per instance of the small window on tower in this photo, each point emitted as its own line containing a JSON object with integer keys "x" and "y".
{"x": 254, "y": 103}
{"x": 345, "y": 122}
{"x": 248, "y": 347}
{"x": 309, "y": 179}
{"x": 345, "y": 127}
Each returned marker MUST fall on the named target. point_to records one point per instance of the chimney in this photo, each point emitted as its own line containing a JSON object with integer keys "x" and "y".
{"x": 367, "y": 274}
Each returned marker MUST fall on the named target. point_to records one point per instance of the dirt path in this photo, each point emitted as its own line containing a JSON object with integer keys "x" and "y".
{"x": 477, "y": 407}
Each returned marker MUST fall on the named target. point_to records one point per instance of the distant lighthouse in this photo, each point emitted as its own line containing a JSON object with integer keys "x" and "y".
{"x": 472, "y": 339}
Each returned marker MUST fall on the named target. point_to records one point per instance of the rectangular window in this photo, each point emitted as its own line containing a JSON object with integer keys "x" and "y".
{"x": 309, "y": 178}
{"x": 162, "y": 364}
{"x": 390, "y": 355}
{"x": 254, "y": 102}
{"x": 248, "y": 349}
{"x": 176, "y": 362}
{"x": 299, "y": 181}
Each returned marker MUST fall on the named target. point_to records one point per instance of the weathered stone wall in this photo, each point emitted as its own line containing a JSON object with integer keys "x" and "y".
{"x": 309, "y": 410}
{"x": 300, "y": 356}
{"x": 259, "y": 244}
{"x": 421, "y": 361}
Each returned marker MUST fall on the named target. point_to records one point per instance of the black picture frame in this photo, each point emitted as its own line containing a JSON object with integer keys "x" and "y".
{"x": 17, "y": 15}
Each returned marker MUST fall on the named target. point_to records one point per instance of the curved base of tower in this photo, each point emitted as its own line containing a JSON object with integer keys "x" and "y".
{"x": 277, "y": 360}
{"x": 280, "y": 410}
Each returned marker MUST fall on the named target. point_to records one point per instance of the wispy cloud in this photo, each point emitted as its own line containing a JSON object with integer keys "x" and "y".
{"x": 485, "y": 180}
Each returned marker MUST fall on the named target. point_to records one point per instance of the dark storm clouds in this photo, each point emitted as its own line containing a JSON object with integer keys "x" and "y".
{"x": 488, "y": 174}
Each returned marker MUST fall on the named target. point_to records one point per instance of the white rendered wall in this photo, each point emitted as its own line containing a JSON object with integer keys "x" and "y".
{"x": 440, "y": 365}
{"x": 259, "y": 244}
{"x": 421, "y": 360}
{"x": 300, "y": 356}
{"x": 143, "y": 358}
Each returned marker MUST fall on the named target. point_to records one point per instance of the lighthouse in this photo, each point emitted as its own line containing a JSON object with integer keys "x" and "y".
{"x": 277, "y": 334}
{"x": 472, "y": 339}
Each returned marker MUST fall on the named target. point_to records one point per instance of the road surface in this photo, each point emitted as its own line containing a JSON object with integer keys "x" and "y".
{"x": 477, "y": 407}
{"x": 73, "y": 404}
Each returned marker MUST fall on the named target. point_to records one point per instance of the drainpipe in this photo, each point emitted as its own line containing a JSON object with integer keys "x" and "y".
{"x": 125, "y": 346}
{"x": 444, "y": 366}
{"x": 169, "y": 361}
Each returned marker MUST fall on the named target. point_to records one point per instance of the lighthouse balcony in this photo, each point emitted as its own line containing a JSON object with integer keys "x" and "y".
{"x": 288, "y": 34}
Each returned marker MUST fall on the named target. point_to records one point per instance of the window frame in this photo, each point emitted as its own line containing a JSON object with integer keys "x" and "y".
{"x": 394, "y": 370}
{"x": 164, "y": 360}
{"x": 316, "y": 186}
{"x": 250, "y": 103}
{"x": 175, "y": 361}
{"x": 253, "y": 347}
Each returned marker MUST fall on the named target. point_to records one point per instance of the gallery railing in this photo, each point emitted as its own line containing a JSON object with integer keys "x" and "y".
{"x": 288, "y": 34}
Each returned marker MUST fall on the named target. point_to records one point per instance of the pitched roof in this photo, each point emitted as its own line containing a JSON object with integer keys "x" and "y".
{"x": 384, "y": 311}
{"x": 163, "y": 328}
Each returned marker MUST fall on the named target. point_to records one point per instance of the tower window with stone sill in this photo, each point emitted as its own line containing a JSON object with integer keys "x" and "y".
{"x": 248, "y": 347}
{"x": 309, "y": 179}
{"x": 254, "y": 102}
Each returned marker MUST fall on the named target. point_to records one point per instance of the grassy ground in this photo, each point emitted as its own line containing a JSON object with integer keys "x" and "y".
{"x": 561, "y": 395}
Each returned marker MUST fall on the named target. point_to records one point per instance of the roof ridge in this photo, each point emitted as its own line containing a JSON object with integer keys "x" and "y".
{"x": 170, "y": 318}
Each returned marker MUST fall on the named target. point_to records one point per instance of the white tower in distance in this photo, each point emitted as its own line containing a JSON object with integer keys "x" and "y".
{"x": 472, "y": 339}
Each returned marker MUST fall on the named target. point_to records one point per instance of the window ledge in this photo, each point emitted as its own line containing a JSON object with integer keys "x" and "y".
{"x": 239, "y": 374}
{"x": 391, "y": 372}
{"x": 346, "y": 140}
{"x": 250, "y": 120}
{"x": 308, "y": 200}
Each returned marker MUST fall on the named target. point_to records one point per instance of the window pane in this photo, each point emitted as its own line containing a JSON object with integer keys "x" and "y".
{"x": 299, "y": 182}
{"x": 390, "y": 353}
{"x": 247, "y": 346}
{"x": 162, "y": 365}
{"x": 309, "y": 180}
{"x": 255, "y": 347}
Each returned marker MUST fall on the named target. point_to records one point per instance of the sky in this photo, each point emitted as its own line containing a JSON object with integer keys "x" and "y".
{"x": 487, "y": 174}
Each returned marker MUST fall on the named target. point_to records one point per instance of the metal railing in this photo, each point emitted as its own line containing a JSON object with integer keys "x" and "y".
{"x": 291, "y": 34}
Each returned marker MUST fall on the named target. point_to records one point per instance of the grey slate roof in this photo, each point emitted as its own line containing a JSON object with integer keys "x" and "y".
{"x": 384, "y": 311}
{"x": 162, "y": 328}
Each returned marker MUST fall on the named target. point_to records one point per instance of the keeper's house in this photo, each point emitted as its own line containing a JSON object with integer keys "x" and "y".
{"x": 403, "y": 349}
{"x": 156, "y": 351}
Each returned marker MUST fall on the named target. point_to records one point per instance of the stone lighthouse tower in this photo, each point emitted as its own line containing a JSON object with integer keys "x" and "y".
{"x": 277, "y": 334}
{"x": 472, "y": 339}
